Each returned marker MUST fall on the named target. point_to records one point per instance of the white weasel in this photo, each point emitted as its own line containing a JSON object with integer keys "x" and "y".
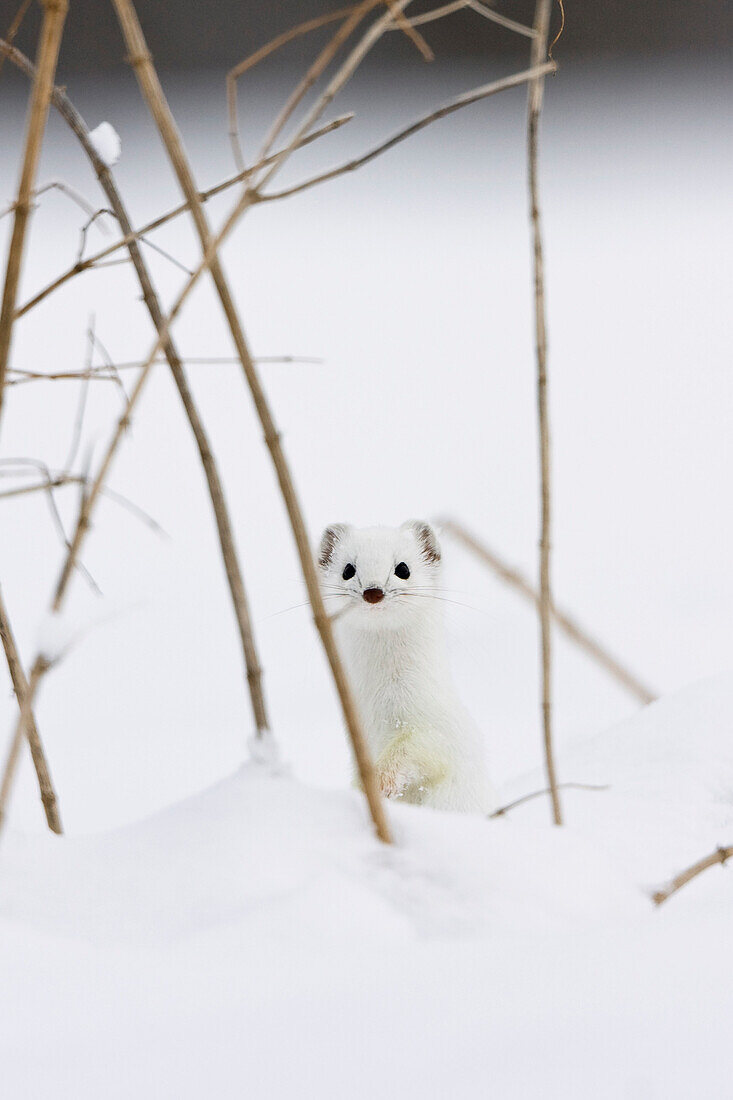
{"x": 385, "y": 583}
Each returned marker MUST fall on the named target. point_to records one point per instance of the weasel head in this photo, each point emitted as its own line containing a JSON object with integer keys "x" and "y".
{"x": 380, "y": 577}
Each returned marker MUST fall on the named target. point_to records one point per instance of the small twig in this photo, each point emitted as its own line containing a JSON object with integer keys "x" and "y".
{"x": 456, "y": 104}
{"x": 166, "y": 345}
{"x": 23, "y": 694}
{"x": 167, "y": 255}
{"x": 559, "y": 34}
{"x": 720, "y": 855}
{"x": 475, "y": 6}
{"x": 534, "y": 109}
{"x": 402, "y": 23}
{"x": 547, "y": 790}
{"x": 59, "y": 481}
{"x": 49, "y": 483}
{"x": 54, "y": 15}
{"x": 109, "y": 373}
{"x": 259, "y": 55}
{"x": 153, "y": 92}
{"x": 93, "y": 217}
{"x": 57, "y": 185}
{"x": 15, "y": 27}
{"x": 563, "y": 620}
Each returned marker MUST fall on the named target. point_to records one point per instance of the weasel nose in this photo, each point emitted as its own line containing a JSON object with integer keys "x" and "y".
{"x": 373, "y": 595}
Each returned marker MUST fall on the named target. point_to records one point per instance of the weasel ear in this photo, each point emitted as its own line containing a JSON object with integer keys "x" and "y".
{"x": 329, "y": 538}
{"x": 426, "y": 538}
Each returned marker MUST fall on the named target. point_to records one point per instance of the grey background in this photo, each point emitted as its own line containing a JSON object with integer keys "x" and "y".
{"x": 195, "y": 33}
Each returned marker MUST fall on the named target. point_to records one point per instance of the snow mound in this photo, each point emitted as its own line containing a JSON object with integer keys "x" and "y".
{"x": 257, "y": 938}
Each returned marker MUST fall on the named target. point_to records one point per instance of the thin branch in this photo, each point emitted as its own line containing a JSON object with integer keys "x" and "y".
{"x": 565, "y": 622}
{"x": 319, "y": 66}
{"x": 547, "y": 790}
{"x": 59, "y": 481}
{"x": 259, "y": 55}
{"x": 81, "y": 407}
{"x": 54, "y": 15}
{"x": 534, "y": 109}
{"x": 93, "y": 217}
{"x": 49, "y": 483}
{"x": 109, "y": 372}
{"x": 147, "y": 77}
{"x": 227, "y": 543}
{"x": 23, "y": 695}
{"x": 456, "y": 104}
{"x": 56, "y": 185}
{"x": 720, "y": 855}
{"x": 15, "y": 27}
{"x": 480, "y": 9}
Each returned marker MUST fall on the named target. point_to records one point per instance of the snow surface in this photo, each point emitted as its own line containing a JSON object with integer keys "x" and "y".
{"x": 257, "y": 940}
{"x": 107, "y": 142}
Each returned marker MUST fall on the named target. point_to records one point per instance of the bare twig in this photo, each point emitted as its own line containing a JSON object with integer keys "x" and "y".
{"x": 96, "y": 488}
{"x": 93, "y": 218}
{"x": 720, "y": 855}
{"x": 81, "y": 408}
{"x": 15, "y": 27}
{"x": 147, "y": 77}
{"x": 547, "y": 790}
{"x": 216, "y": 490}
{"x": 59, "y": 481}
{"x": 24, "y": 697}
{"x": 57, "y": 185}
{"x": 479, "y": 8}
{"x": 319, "y": 66}
{"x": 562, "y": 619}
{"x": 456, "y": 104}
{"x": 53, "y": 23}
{"x": 534, "y": 109}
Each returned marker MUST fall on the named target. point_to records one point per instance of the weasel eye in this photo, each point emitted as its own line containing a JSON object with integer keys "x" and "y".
{"x": 348, "y": 572}
{"x": 402, "y": 571}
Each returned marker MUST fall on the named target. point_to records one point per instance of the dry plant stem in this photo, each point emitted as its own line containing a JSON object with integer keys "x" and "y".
{"x": 48, "y": 50}
{"x": 24, "y": 697}
{"x": 107, "y": 372}
{"x": 259, "y": 55}
{"x": 464, "y": 100}
{"x": 147, "y": 77}
{"x": 96, "y": 487}
{"x": 720, "y": 855}
{"x": 534, "y": 110}
{"x": 232, "y": 568}
{"x": 480, "y": 9}
{"x": 547, "y": 790}
{"x": 563, "y": 621}
{"x": 15, "y": 27}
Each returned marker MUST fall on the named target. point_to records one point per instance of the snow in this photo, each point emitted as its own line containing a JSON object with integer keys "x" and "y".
{"x": 208, "y": 929}
{"x": 107, "y": 143}
{"x": 256, "y": 935}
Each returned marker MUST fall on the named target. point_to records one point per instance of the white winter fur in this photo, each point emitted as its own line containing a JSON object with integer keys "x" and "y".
{"x": 425, "y": 746}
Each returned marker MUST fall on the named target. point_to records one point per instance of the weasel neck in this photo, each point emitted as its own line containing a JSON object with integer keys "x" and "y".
{"x": 397, "y": 673}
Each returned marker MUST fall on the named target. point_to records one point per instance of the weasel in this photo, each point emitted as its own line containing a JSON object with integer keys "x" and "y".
{"x": 385, "y": 584}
